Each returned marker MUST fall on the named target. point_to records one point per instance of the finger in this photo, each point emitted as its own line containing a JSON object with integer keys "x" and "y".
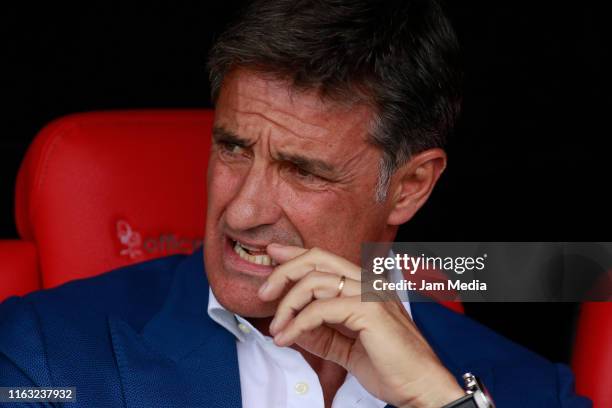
{"x": 314, "y": 258}
{"x": 283, "y": 253}
{"x": 328, "y": 344}
{"x": 295, "y": 269}
{"x": 329, "y": 311}
{"x": 315, "y": 285}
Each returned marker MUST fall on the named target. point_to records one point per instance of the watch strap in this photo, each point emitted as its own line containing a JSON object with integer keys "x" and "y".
{"x": 467, "y": 401}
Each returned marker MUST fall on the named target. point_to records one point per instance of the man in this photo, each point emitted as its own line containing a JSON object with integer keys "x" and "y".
{"x": 330, "y": 121}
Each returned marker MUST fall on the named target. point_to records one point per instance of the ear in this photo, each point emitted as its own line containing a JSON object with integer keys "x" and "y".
{"x": 412, "y": 184}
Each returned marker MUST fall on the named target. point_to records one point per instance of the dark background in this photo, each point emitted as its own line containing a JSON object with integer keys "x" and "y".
{"x": 528, "y": 161}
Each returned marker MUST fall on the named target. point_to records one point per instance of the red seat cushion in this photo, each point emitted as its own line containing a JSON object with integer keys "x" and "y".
{"x": 100, "y": 190}
{"x": 19, "y": 269}
{"x": 592, "y": 359}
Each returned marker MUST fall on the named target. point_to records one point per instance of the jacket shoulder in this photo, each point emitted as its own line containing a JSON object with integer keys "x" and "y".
{"x": 133, "y": 293}
{"x": 48, "y": 331}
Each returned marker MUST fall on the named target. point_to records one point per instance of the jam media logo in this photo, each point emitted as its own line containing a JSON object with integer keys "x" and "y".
{"x": 135, "y": 246}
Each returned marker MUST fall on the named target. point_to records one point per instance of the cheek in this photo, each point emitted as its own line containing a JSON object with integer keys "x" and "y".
{"x": 335, "y": 222}
{"x": 303, "y": 208}
{"x": 322, "y": 219}
{"x": 222, "y": 184}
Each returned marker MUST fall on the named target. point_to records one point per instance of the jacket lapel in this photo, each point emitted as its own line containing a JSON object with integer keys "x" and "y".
{"x": 181, "y": 358}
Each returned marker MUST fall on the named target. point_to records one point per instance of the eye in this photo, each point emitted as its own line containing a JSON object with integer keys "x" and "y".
{"x": 303, "y": 173}
{"x": 231, "y": 150}
{"x": 304, "y": 177}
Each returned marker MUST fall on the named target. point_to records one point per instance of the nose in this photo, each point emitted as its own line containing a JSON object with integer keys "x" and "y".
{"x": 255, "y": 203}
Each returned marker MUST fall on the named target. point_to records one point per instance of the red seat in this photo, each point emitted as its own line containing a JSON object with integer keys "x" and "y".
{"x": 18, "y": 268}
{"x": 101, "y": 190}
{"x": 592, "y": 359}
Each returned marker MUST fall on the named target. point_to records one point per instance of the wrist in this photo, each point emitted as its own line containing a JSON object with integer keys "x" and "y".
{"x": 476, "y": 396}
{"x": 439, "y": 397}
{"x": 437, "y": 393}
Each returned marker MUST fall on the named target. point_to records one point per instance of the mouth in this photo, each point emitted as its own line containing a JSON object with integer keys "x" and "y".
{"x": 256, "y": 255}
{"x": 246, "y": 258}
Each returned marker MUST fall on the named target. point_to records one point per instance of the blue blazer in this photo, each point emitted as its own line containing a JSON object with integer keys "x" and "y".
{"x": 140, "y": 336}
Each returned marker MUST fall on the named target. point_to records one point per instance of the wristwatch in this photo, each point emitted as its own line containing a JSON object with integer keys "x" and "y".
{"x": 476, "y": 395}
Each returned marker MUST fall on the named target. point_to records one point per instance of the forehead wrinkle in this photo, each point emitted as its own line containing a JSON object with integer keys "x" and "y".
{"x": 321, "y": 132}
{"x": 282, "y": 90}
{"x": 258, "y": 96}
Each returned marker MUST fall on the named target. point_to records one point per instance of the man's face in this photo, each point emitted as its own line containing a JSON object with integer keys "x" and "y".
{"x": 285, "y": 167}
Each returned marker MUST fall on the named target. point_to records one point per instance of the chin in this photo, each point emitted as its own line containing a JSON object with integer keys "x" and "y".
{"x": 237, "y": 292}
{"x": 239, "y": 295}
{"x": 235, "y": 282}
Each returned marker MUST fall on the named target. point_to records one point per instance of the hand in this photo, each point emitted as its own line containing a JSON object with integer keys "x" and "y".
{"x": 377, "y": 342}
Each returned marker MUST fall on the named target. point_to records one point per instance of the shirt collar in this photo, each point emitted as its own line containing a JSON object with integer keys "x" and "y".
{"x": 224, "y": 317}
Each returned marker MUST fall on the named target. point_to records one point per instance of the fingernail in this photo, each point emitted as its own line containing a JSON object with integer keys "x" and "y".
{"x": 273, "y": 325}
{"x": 263, "y": 289}
{"x": 274, "y": 245}
{"x": 279, "y": 338}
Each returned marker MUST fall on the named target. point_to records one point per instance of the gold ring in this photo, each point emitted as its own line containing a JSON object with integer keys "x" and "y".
{"x": 341, "y": 285}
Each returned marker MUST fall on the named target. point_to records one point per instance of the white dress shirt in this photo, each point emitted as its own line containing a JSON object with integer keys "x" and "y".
{"x": 272, "y": 376}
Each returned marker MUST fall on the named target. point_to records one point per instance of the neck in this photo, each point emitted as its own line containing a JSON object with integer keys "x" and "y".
{"x": 331, "y": 375}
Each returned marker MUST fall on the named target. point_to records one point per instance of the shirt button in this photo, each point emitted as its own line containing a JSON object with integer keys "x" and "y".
{"x": 244, "y": 328}
{"x": 301, "y": 388}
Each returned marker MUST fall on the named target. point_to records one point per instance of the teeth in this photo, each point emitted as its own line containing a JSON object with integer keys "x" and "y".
{"x": 249, "y": 248}
{"x": 256, "y": 259}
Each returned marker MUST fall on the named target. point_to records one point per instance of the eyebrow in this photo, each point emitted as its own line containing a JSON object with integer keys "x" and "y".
{"x": 221, "y": 134}
{"x": 309, "y": 164}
